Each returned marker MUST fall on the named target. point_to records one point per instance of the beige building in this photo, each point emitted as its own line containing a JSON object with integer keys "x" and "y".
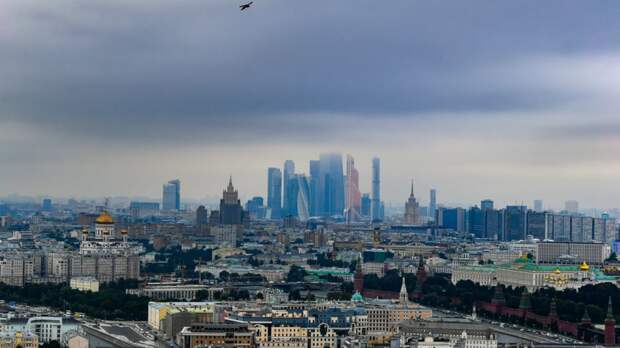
{"x": 574, "y": 253}
{"x": 85, "y": 284}
{"x": 412, "y": 210}
{"x": 18, "y": 339}
{"x": 158, "y": 311}
{"x": 218, "y": 335}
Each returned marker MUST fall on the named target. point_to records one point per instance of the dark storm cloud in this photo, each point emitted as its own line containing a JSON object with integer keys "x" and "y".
{"x": 161, "y": 69}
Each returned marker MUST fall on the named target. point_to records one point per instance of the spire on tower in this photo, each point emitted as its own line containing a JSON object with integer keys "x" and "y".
{"x": 404, "y": 295}
{"x": 610, "y": 309}
{"x": 411, "y": 195}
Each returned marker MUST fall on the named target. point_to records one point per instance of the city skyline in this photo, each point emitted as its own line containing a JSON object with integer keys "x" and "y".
{"x": 281, "y": 174}
{"x": 523, "y": 112}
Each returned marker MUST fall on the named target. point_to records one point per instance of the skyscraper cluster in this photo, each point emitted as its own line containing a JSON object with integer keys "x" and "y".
{"x": 517, "y": 222}
{"x": 327, "y": 191}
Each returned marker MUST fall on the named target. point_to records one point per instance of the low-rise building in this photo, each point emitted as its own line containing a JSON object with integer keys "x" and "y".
{"x": 18, "y": 339}
{"x": 216, "y": 335}
{"x": 85, "y": 284}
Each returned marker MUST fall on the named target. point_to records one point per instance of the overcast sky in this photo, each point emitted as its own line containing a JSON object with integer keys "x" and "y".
{"x": 510, "y": 100}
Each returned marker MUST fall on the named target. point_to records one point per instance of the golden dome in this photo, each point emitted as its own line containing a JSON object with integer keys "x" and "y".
{"x": 557, "y": 271}
{"x": 104, "y": 218}
{"x": 584, "y": 266}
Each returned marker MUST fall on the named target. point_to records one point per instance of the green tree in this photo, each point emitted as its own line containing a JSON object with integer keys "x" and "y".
{"x": 295, "y": 274}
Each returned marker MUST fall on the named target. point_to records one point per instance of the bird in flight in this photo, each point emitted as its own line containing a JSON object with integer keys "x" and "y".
{"x": 246, "y": 6}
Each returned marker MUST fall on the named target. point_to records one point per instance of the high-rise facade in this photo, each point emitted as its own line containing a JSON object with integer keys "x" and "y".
{"x": 298, "y": 195}
{"x": 486, "y": 204}
{"x": 331, "y": 185}
{"x": 475, "y": 222}
{"x": 289, "y": 171}
{"x": 538, "y": 224}
{"x": 171, "y": 198}
{"x": 202, "y": 216}
{"x": 274, "y": 192}
{"x": 375, "y": 203}
{"x": 352, "y": 192}
{"x": 571, "y": 207}
{"x": 46, "y": 204}
{"x": 315, "y": 173}
{"x": 538, "y": 205}
{"x": 453, "y": 218}
{"x": 515, "y": 222}
{"x": 412, "y": 209}
{"x": 365, "y": 205}
{"x": 432, "y": 203}
{"x": 231, "y": 211}
{"x": 303, "y": 197}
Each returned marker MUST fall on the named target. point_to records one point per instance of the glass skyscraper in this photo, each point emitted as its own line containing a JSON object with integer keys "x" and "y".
{"x": 171, "y": 199}
{"x": 432, "y": 205}
{"x": 331, "y": 185}
{"x": 289, "y": 171}
{"x": 375, "y": 203}
{"x": 315, "y": 173}
{"x": 274, "y": 192}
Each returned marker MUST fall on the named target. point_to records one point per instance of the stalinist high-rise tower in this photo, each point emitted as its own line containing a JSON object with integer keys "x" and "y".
{"x": 412, "y": 209}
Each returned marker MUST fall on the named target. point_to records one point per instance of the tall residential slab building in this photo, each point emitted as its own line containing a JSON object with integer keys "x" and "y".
{"x": 375, "y": 203}
{"x": 171, "y": 198}
{"x": 274, "y": 192}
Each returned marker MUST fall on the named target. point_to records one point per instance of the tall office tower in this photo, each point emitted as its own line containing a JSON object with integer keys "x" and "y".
{"x": 202, "y": 216}
{"x": 475, "y": 222}
{"x": 538, "y": 224}
{"x": 432, "y": 204}
{"x": 292, "y": 196}
{"x": 412, "y": 209}
{"x": 365, "y": 205}
{"x": 571, "y": 207}
{"x": 46, "y": 204}
{"x": 289, "y": 171}
{"x": 375, "y": 203}
{"x": 352, "y": 193}
{"x": 231, "y": 212}
{"x": 274, "y": 192}
{"x": 256, "y": 207}
{"x": 315, "y": 173}
{"x": 303, "y": 197}
{"x": 515, "y": 222}
{"x": 538, "y": 205}
{"x": 331, "y": 185}
{"x": 486, "y": 204}
{"x": 171, "y": 199}
{"x": 493, "y": 224}
{"x": 453, "y": 218}
{"x": 202, "y": 219}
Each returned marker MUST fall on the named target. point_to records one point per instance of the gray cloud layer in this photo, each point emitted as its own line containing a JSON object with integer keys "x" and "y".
{"x": 87, "y": 79}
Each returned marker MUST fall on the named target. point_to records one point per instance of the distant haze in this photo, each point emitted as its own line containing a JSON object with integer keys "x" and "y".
{"x": 508, "y": 100}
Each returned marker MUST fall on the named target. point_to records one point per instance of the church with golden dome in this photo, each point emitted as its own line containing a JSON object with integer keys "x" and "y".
{"x": 106, "y": 240}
